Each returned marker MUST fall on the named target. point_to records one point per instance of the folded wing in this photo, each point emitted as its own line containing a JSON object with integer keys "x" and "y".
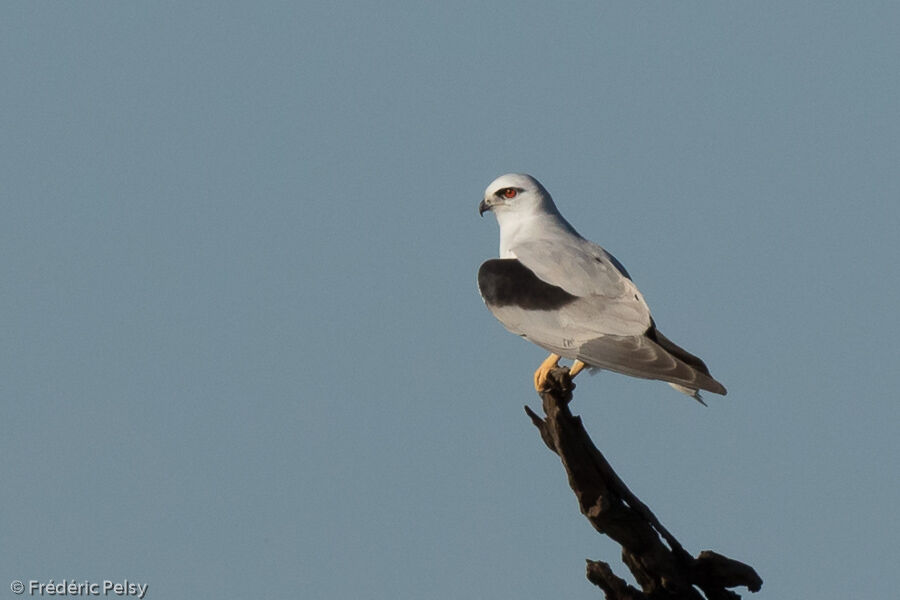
{"x": 596, "y": 315}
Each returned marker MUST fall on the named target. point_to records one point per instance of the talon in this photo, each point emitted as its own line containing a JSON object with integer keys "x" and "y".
{"x": 540, "y": 376}
{"x": 577, "y": 367}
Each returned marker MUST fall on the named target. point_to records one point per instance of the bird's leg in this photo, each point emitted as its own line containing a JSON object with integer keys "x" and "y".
{"x": 540, "y": 376}
{"x": 577, "y": 367}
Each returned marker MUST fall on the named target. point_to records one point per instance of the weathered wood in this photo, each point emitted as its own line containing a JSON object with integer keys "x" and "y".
{"x": 660, "y": 565}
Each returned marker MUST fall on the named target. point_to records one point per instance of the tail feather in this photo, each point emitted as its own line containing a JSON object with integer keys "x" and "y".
{"x": 651, "y": 356}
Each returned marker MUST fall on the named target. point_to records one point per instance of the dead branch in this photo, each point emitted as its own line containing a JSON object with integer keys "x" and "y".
{"x": 660, "y": 565}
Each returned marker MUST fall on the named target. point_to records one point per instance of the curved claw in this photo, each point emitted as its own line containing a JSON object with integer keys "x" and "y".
{"x": 540, "y": 376}
{"x": 577, "y": 367}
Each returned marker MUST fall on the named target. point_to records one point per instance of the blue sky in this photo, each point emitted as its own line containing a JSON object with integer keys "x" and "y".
{"x": 244, "y": 354}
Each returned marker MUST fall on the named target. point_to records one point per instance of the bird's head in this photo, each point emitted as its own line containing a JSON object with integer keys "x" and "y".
{"x": 515, "y": 193}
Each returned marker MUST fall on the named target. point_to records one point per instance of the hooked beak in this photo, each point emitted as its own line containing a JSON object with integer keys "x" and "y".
{"x": 483, "y": 207}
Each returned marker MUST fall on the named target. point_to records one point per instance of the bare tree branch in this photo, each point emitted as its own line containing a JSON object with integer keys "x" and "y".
{"x": 660, "y": 565}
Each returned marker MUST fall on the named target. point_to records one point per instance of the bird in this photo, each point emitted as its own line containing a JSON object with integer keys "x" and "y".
{"x": 572, "y": 298}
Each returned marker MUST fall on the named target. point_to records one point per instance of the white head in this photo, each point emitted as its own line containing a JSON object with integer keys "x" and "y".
{"x": 516, "y": 193}
{"x": 524, "y": 210}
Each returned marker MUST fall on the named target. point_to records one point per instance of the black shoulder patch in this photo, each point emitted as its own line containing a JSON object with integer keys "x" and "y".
{"x": 506, "y": 282}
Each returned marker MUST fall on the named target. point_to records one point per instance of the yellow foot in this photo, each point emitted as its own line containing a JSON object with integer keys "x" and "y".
{"x": 577, "y": 367}
{"x": 540, "y": 376}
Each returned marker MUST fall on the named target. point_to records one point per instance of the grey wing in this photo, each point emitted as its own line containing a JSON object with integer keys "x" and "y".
{"x": 588, "y": 272}
{"x": 607, "y": 324}
{"x": 578, "y": 266}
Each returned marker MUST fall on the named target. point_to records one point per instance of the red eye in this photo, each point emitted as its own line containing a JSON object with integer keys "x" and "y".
{"x": 510, "y": 192}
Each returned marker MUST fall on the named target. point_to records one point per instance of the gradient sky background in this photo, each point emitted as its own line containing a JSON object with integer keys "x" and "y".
{"x": 243, "y": 353}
